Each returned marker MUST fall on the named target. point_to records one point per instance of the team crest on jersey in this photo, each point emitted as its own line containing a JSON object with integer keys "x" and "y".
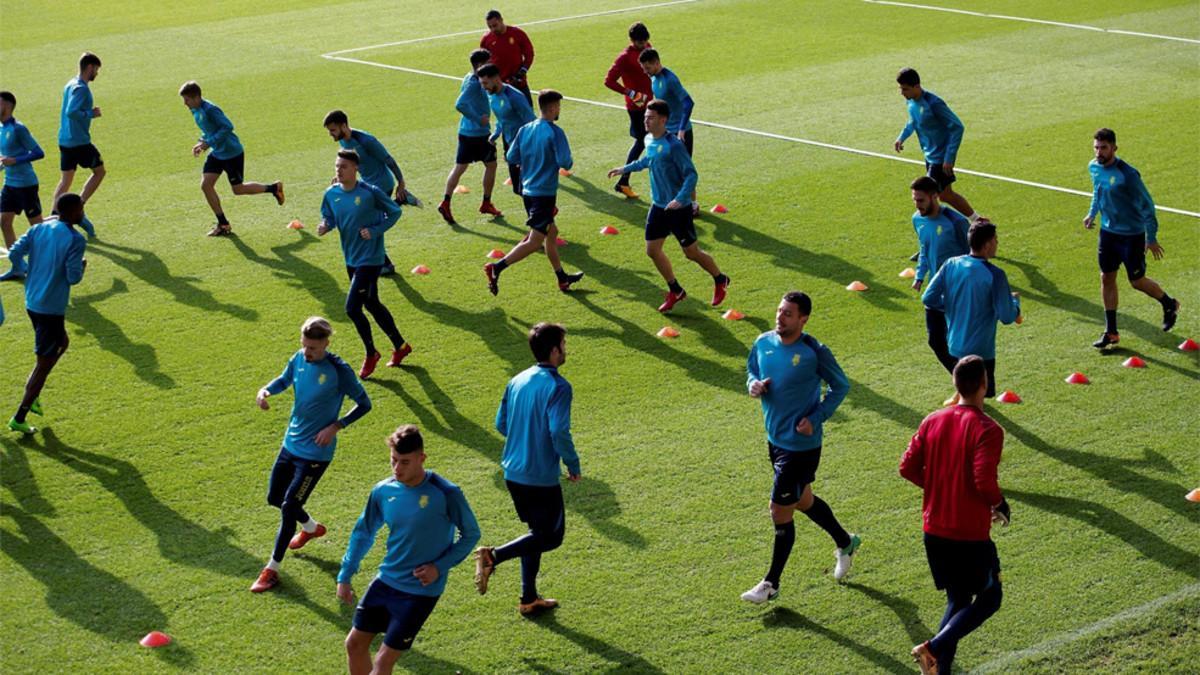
{"x": 795, "y": 359}
{"x": 939, "y": 230}
{"x": 358, "y": 201}
{"x": 1112, "y": 180}
{"x": 423, "y": 501}
{"x": 512, "y": 41}
{"x": 321, "y": 378}
{"x": 920, "y": 110}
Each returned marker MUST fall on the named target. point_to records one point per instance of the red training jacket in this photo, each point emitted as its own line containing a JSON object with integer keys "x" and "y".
{"x": 953, "y": 457}
{"x": 626, "y": 73}
{"x": 510, "y": 50}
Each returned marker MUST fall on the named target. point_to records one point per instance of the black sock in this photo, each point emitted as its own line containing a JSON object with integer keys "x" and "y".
{"x": 446, "y": 198}
{"x": 720, "y": 278}
{"x": 822, "y": 515}
{"x": 487, "y": 198}
{"x": 500, "y": 265}
{"x": 22, "y": 411}
{"x": 675, "y": 287}
{"x": 272, "y": 188}
{"x": 1167, "y": 302}
{"x": 562, "y": 276}
{"x": 785, "y": 538}
{"x": 1110, "y": 321}
{"x": 221, "y": 219}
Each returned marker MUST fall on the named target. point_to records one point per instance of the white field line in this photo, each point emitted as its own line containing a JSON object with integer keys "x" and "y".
{"x": 1077, "y": 26}
{"x": 1056, "y": 643}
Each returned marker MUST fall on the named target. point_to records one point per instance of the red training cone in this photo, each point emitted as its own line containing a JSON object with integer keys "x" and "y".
{"x": 420, "y": 269}
{"x": 559, "y": 241}
{"x": 495, "y": 254}
{"x": 609, "y": 229}
{"x": 1194, "y": 495}
{"x": 1133, "y": 362}
{"x": 856, "y": 286}
{"x": 733, "y": 315}
{"x": 1189, "y": 345}
{"x": 295, "y": 224}
{"x": 719, "y": 208}
{"x": 1078, "y": 378}
{"x": 155, "y": 639}
{"x": 668, "y": 332}
{"x": 1009, "y": 396}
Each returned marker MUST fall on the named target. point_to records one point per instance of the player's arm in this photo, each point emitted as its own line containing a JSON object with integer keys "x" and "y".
{"x": 640, "y": 164}
{"x": 463, "y": 103}
{"x": 464, "y": 521}
{"x": 502, "y": 414}
{"x": 688, "y": 168}
{"x": 362, "y": 537}
{"x": 526, "y": 54}
{"x": 984, "y": 463}
{"x": 934, "y": 295}
{"x": 19, "y": 250}
{"x": 904, "y": 134}
{"x": 33, "y": 151}
{"x": 77, "y": 105}
{"x": 391, "y": 211}
{"x": 221, "y": 127}
{"x": 562, "y": 149}
{"x": 351, "y": 387}
{"x": 74, "y": 262}
{"x": 922, "y": 257}
{"x": 912, "y": 462}
{"x": 513, "y": 156}
{"x": 499, "y": 127}
{"x": 559, "y": 418}
{"x": 277, "y": 385}
{"x": 839, "y": 385}
{"x": 688, "y": 104}
{"x": 612, "y": 79}
{"x": 756, "y": 385}
{"x": 953, "y": 125}
{"x": 1144, "y": 205}
{"x": 1005, "y": 303}
{"x": 328, "y": 217}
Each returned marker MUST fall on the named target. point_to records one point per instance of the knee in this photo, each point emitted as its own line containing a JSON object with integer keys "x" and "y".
{"x": 275, "y": 500}
{"x": 550, "y": 539}
{"x": 354, "y": 307}
{"x": 651, "y": 250}
{"x": 99, "y": 172}
{"x": 290, "y": 508}
{"x": 692, "y": 252}
{"x": 358, "y": 642}
{"x": 781, "y": 513}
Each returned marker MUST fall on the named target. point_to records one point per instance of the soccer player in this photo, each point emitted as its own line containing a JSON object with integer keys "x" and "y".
{"x": 422, "y": 511}
{"x": 672, "y": 180}
{"x": 540, "y": 149}
{"x": 75, "y": 137}
{"x": 18, "y": 151}
{"x": 1128, "y": 228}
{"x": 511, "y": 51}
{"x": 55, "y": 251}
{"x": 321, "y": 381}
{"x": 974, "y": 294}
{"x": 785, "y": 371}
{"x": 535, "y": 420}
{"x": 940, "y": 133}
{"x": 473, "y": 146}
{"x": 225, "y": 156}
{"x": 953, "y": 458}
{"x": 942, "y": 235}
{"x": 512, "y": 112}
{"x": 667, "y": 87}
{"x": 626, "y": 77}
{"x": 361, "y": 213}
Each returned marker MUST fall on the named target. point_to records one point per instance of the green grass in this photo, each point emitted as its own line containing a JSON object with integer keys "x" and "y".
{"x": 140, "y": 505}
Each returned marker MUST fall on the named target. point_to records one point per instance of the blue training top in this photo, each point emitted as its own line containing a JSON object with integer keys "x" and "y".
{"x": 666, "y": 86}
{"x": 472, "y": 102}
{"x": 974, "y": 294}
{"x": 938, "y": 129}
{"x": 512, "y": 112}
{"x": 535, "y": 419}
{"x": 55, "y": 252}
{"x": 319, "y": 389}
{"x": 216, "y": 130}
{"x": 364, "y": 206}
{"x": 672, "y": 174}
{"x": 941, "y": 237}
{"x": 796, "y": 372}
{"x": 375, "y": 163}
{"x": 541, "y": 149}
{"x": 75, "y": 122}
{"x": 18, "y": 144}
{"x": 1123, "y": 201}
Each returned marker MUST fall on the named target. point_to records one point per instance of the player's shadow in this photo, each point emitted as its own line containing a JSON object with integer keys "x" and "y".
{"x": 17, "y": 477}
{"x": 630, "y": 212}
{"x": 620, "y": 659}
{"x": 110, "y": 337}
{"x": 78, "y": 591}
{"x": 297, "y": 272}
{"x": 905, "y": 610}
{"x": 1117, "y": 525}
{"x": 782, "y": 617}
{"x": 485, "y": 230}
{"x": 1121, "y": 353}
{"x": 416, "y": 661}
{"x": 442, "y": 416}
{"x": 862, "y": 396}
{"x": 150, "y": 268}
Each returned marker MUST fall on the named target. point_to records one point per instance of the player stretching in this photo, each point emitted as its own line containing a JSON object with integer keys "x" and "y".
{"x": 75, "y": 136}
{"x": 320, "y": 381}
{"x": 667, "y": 87}
{"x": 473, "y": 146}
{"x": 672, "y": 181}
{"x": 1128, "y": 228}
{"x": 361, "y": 213}
{"x": 511, "y": 51}
{"x": 785, "y": 370}
{"x": 512, "y": 112}
{"x": 540, "y": 149}
{"x": 55, "y": 251}
{"x": 422, "y": 512}
{"x": 627, "y": 78}
{"x": 953, "y": 458}
{"x": 535, "y": 420}
{"x": 225, "y": 155}
{"x": 18, "y": 151}
{"x": 942, "y": 235}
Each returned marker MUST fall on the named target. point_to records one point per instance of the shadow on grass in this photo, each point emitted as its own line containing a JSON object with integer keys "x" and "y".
{"x": 297, "y": 272}
{"x": 78, "y": 591}
{"x": 17, "y": 477}
{"x": 110, "y": 337}
{"x": 905, "y": 610}
{"x": 782, "y": 617}
{"x": 620, "y": 659}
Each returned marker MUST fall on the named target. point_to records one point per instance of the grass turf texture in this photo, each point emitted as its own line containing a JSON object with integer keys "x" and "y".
{"x": 140, "y": 504}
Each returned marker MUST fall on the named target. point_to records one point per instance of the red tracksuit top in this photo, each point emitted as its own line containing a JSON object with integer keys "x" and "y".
{"x": 626, "y": 73}
{"x": 510, "y": 50}
{"x": 953, "y": 457}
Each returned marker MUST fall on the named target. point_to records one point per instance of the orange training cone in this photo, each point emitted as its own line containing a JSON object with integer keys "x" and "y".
{"x": 668, "y": 332}
{"x": 1194, "y": 495}
{"x": 733, "y": 315}
{"x": 155, "y": 639}
{"x": 1189, "y": 345}
{"x": 1078, "y": 378}
{"x": 564, "y": 172}
{"x": 856, "y": 286}
{"x": 1009, "y": 396}
{"x": 719, "y": 208}
{"x": 908, "y": 273}
{"x": 461, "y": 190}
{"x": 559, "y": 241}
{"x": 295, "y": 224}
{"x": 609, "y": 229}
{"x": 495, "y": 254}
{"x": 420, "y": 269}
{"x": 508, "y": 182}
{"x": 1133, "y": 362}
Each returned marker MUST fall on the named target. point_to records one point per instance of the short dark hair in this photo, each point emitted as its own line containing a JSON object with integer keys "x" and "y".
{"x": 660, "y": 106}
{"x": 547, "y": 97}
{"x": 493, "y": 14}
{"x": 406, "y": 439}
{"x": 1106, "y": 135}
{"x": 8, "y": 96}
{"x": 970, "y": 373}
{"x": 190, "y": 88}
{"x": 801, "y": 300}
{"x": 638, "y": 32}
{"x": 68, "y": 202}
{"x": 335, "y": 117}
{"x": 926, "y": 184}
{"x": 908, "y": 76}
{"x": 488, "y": 70}
{"x": 648, "y": 55}
{"x": 980, "y": 234}
{"x": 349, "y": 155}
{"x": 480, "y": 57}
{"x": 316, "y": 328}
{"x": 88, "y": 59}
{"x": 544, "y": 338}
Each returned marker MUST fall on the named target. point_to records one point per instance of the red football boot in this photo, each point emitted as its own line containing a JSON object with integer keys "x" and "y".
{"x": 303, "y": 537}
{"x": 398, "y": 355}
{"x": 369, "y": 364}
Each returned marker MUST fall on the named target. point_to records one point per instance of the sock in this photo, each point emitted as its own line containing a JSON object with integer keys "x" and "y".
{"x": 273, "y": 564}
{"x": 22, "y": 412}
{"x": 720, "y": 278}
{"x": 487, "y": 198}
{"x": 822, "y": 515}
{"x": 785, "y": 538}
{"x": 675, "y": 287}
{"x": 309, "y": 525}
{"x": 221, "y": 219}
{"x": 446, "y": 198}
{"x": 562, "y": 276}
{"x": 1110, "y": 321}
{"x": 272, "y": 188}
{"x": 500, "y": 266}
{"x": 1167, "y": 302}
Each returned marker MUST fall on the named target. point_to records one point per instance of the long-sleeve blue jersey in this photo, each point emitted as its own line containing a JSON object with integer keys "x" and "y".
{"x": 217, "y": 131}
{"x": 974, "y": 294}
{"x": 666, "y": 86}
{"x": 55, "y": 252}
{"x": 1123, "y": 201}
{"x": 319, "y": 389}
{"x": 938, "y": 129}
{"x": 797, "y": 372}
{"x": 535, "y": 419}
{"x": 512, "y": 112}
{"x": 472, "y": 104}
{"x": 672, "y": 174}
{"x": 375, "y": 163}
{"x": 364, "y": 206}
{"x": 18, "y": 144}
{"x": 75, "y": 121}
{"x": 941, "y": 237}
{"x": 541, "y": 149}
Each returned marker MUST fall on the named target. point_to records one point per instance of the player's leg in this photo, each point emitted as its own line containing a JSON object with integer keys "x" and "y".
{"x": 819, "y": 512}
{"x": 358, "y": 651}
{"x": 462, "y": 160}
{"x": 10, "y": 238}
{"x": 935, "y": 330}
{"x": 959, "y": 202}
{"x": 50, "y": 343}
{"x": 986, "y": 602}
{"x": 408, "y": 612}
{"x": 785, "y": 493}
{"x": 514, "y": 177}
{"x": 1110, "y": 254}
{"x": 1135, "y": 269}
{"x": 93, "y": 182}
{"x": 356, "y": 299}
{"x": 383, "y": 316}
{"x": 456, "y": 173}
{"x": 637, "y": 130}
{"x": 305, "y": 476}
{"x": 489, "y": 183}
{"x": 208, "y": 185}
{"x": 67, "y": 164}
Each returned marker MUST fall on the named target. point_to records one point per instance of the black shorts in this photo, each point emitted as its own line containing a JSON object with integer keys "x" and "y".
{"x": 939, "y": 176}
{"x": 234, "y": 168}
{"x": 474, "y": 149}
{"x": 538, "y": 506}
{"x": 1122, "y": 249}
{"x": 966, "y": 566}
{"x": 794, "y": 470}
{"x": 687, "y": 141}
{"x": 293, "y": 479}
{"x": 86, "y": 156}
{"x": 49, "y": 333}
{"x": 395, "y": 613}
{"x": 661, "y": 222}
{"x": 20, "y": 200}
{"x": 540, "y": 211}
{"x": 637, "y": 123}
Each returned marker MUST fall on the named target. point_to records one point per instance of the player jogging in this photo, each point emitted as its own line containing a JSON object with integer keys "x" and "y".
{"x": 75, "y": 135}
{"x": 942, "y": 235}
{"x": 18, "y": 151}
{"x": 667, "y": 87}
{"x": 473, "y": 146}
{"x": 626, "y": 77}
{"x": 512, "y": 112}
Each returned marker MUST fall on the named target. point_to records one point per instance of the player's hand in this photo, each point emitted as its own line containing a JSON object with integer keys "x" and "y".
{"x": 263, "y": 395}
{"x": 1001, "y": 513}
{"x": 804, "y": 427}
{"x": 917, "y": 284}
{"x": 345, "y": 593}
{"x": 675, "y": 204}
{"x": 574, "y": 477}
{"x": 616, "y": 171}
{"x": 948, "y": 168}
{"x": 681, "y": 134}
{"x": 323, "y": 229}
{"x": 325, "y": 436}
{"x": 1156, "y": 250}
{"x": 199, "y": 148}
{"x": 95, "y": 112}
{"x": 7, "y": 161}
{"x": 365, "y": 233}
{"x": 426, "y": 574}
{"x": 899, "y": 146}
{"x": 759, "y": 387}
{"x": 1089, "y": 222}
{"x": 401, "y": 194}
